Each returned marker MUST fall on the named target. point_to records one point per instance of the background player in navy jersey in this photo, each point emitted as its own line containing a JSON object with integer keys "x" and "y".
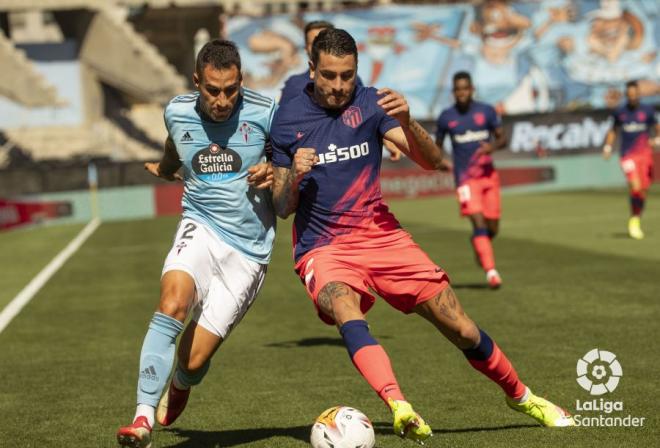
{"x": 217, "y": 263}
{"x": 476, "y": 131}
{"x": 634, "y": 121}
{"x": 295, "y": 84}
{"x": 326, "y": 159}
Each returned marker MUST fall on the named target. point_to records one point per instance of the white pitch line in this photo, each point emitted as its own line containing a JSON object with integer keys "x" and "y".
{"x": 32, "y": 288}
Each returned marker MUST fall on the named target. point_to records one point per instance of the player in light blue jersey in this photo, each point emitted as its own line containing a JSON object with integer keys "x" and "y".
{"x": 217, "y": 263}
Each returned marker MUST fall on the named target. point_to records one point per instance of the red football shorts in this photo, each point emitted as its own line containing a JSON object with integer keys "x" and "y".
{"x": 480, "y": 195}
{"x": 393, "y": 266}
{"x": 640, "y": 166}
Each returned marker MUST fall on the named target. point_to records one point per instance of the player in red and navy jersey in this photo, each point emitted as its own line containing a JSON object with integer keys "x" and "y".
{"x": 476, "y": 131}
{"x": 634, "y": 121}
{"x": 295, "y": 84}
{"x": 326, "y": 160}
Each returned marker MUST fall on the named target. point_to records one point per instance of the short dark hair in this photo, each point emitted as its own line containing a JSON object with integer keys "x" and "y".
{"x": 462, "y": 75}
{"x": 632, "y": 83}
{"x": 317, "y": 25}
{"x": 221, "y": 54}
{"x": 334, "y": 41}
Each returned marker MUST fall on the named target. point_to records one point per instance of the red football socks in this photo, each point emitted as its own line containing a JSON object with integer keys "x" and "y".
{"x": 484, "y": 250}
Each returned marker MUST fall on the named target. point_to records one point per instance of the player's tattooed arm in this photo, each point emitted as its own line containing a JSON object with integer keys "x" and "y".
{"x": 169, "y": 164}
{"x": 431, "y": 153}
{"x": 417, "y": 144}
{"x": 411, "y": 137}
{"x": 286, "y": 180}
{"x": 285, "y": 192}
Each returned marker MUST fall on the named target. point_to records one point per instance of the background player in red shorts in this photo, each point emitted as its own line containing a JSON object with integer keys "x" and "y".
{"x": 634, "y": 121}
{"x": 476, "y": 131}
{"x": 326, "y": 157}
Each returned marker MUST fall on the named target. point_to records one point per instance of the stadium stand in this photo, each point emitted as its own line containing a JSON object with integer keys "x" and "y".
{"x": 85, "y": 66}
{"x": 101, "y": 139}
{"x": 149, "y": 119}
{"x": 111, "y": 45}
{"x": 19, "y": 80}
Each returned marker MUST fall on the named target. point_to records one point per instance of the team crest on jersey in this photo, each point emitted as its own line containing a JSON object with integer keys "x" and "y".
{"x": 180, "y": 247}
{"x": 352, "y": 117}
{"x": 215, "y": 163}
{"x": 641, "y": 116}
{"x": 479, "y": 119}
{"x": 246, "y": 130}
{"x": 453, "y": 124}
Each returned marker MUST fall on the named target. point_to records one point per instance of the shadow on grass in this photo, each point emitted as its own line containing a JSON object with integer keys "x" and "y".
{"x": 234, "y": 437}
{"x": 470, "y": 286}
{"x": 383, "y": 428}
{"x": 621, "y": 236}
{"x": 313, "y": 342}
{"x": 308, "y": 342}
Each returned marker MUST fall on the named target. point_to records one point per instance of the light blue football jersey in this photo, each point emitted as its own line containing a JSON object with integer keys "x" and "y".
{"x": 215, "y": 158}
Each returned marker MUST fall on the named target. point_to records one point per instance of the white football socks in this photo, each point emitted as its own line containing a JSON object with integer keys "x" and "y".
{"x": 146, "y": 411}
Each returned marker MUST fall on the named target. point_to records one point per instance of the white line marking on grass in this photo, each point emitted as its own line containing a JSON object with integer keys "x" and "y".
{"x": 31, "y": 289}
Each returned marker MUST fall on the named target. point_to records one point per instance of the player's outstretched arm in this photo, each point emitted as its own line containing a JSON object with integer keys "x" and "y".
{"x": 411, "y": 138}
{"x": 286, "y": 180}
{"x": 169, "y": 164}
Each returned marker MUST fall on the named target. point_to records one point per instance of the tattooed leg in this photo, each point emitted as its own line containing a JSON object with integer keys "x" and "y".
{"x": 446, "y": 313}
{"x": 340, "y": 301}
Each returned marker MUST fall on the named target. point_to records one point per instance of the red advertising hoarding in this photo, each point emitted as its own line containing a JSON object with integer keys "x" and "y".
{"x": 16, "y": 213}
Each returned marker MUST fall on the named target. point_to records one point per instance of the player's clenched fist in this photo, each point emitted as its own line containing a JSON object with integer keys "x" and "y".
{"x": 303, "y": 161}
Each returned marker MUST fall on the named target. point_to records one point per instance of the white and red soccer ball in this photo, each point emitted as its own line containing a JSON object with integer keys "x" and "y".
{"x": 342, "y": 427}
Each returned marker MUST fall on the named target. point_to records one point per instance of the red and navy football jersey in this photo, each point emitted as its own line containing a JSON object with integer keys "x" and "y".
{"x": 467, "y": 130}
{"x": 635, "y": 125}
{"x": 341, "y": 196}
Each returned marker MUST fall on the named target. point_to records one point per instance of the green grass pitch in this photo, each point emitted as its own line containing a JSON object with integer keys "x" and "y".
{"x": 573, "y": 282}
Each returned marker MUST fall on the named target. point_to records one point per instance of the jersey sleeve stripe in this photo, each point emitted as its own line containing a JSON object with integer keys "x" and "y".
{"x": 257, "y": 97}
{"x": 185, "y": 98}
{"x": 257, "y": 103}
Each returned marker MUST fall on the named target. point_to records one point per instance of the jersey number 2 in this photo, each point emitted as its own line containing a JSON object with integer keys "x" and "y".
{"x": 187, "y": 231}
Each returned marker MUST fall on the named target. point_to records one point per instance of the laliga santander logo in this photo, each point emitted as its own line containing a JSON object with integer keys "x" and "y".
{"x": 598, "y": 372}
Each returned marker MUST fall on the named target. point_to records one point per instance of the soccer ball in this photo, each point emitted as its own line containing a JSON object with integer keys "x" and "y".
{"x": 342, "y": 427}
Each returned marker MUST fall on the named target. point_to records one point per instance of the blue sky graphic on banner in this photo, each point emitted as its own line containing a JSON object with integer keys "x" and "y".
{"x": 524, "y": 57}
